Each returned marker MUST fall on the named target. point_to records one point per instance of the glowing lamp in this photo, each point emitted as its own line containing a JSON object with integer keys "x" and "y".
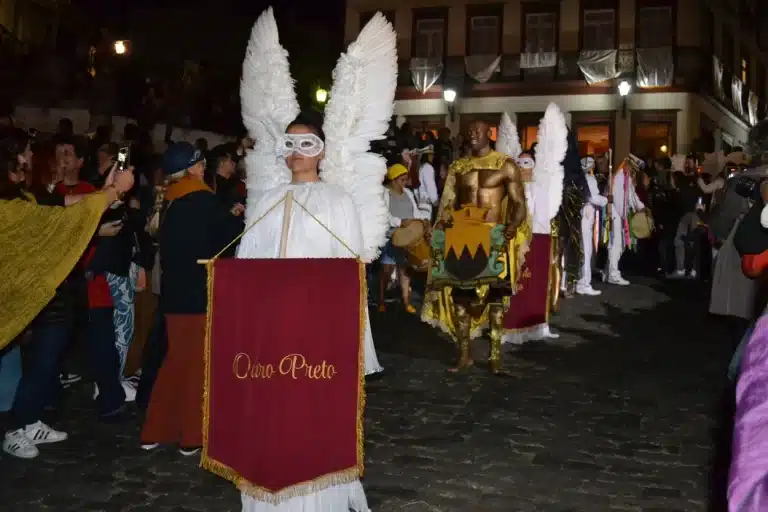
{"x": 321, "y": 95}
{"x": 624, "y": 88}
{"x": 664, "y": 148}
{"x": 449, "y": 95}
{"x": 120, "y": 47}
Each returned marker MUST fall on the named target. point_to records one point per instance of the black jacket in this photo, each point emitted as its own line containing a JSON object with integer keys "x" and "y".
{"x": 114, "y": 254}
{"x": 195, "y": 226}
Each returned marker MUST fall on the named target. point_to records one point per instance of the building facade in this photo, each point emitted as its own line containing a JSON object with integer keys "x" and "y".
{"x": 685, "y": 60}
{"x": 34, "y": 22}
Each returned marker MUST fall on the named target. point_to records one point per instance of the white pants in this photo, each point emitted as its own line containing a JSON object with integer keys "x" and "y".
{"x": 587, "y": 245}
{"x": 615, "y": 247}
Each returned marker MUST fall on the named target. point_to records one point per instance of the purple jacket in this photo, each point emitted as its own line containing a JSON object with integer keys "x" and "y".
{"x": 748, "y": 479}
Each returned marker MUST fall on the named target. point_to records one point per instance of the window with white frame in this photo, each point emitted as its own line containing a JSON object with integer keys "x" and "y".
{"x": 430, "y": 35}
{"x": 599, "y": 29}
{"x": 655, "y": 27}
{"x": 484, "y": 34}
{"x": 540, "y": 32}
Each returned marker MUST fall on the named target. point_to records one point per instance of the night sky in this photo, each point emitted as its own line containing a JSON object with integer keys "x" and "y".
{"x": 163, "y": 34}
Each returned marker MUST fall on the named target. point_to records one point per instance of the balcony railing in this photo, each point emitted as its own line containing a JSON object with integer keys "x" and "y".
{"x": 691, "y": 66}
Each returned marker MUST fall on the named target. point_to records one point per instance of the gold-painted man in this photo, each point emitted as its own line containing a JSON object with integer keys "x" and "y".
{"x": 491, "y": 181}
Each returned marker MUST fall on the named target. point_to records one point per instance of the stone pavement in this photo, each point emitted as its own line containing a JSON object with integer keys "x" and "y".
{"x": 617, "y": 414}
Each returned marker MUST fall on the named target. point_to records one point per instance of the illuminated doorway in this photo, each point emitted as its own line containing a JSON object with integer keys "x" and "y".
{"x": 652, "y": 140}
{"x": 528, "y": 128}
{"x": 593, "y": 139}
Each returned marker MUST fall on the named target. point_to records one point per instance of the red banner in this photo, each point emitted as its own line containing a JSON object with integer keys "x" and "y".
{"x": 529, "y": 306}
{"x": 284, "y": 398}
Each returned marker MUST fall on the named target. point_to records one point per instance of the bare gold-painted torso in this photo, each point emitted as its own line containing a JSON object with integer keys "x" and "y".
{"x": 484, "y": 188}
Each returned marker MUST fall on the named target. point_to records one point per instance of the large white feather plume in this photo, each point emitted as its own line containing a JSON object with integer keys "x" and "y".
{"x": 358, "y": 112}
{"x": 508, "y": 140}
{"x": 268, "y": 104}
{"x": 552, "y": 144}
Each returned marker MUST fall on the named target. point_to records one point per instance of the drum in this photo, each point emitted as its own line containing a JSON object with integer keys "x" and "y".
{"x": 410, "y": 238}
{"x": 641, "y": 225}
{"x": 469, "y": 251}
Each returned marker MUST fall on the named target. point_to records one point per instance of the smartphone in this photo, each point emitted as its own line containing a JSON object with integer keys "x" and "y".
{"x": 122, "y": 158}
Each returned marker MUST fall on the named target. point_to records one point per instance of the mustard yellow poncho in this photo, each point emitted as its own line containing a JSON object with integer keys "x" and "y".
{"x": 39, "y": 247}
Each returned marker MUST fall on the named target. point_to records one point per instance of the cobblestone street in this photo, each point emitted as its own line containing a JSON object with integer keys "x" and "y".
{"x": 617, "y": 414}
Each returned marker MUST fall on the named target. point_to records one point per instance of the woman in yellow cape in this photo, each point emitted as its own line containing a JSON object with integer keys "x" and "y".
{"x": 40, "y": 245}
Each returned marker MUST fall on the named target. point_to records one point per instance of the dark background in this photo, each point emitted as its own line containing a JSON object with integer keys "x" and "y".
{"x": 214, "y": 33}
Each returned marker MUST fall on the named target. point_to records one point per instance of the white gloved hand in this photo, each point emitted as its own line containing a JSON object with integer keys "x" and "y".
{"x": 764, "y": 217}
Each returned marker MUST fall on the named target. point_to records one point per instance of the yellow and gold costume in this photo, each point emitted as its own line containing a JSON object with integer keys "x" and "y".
{"x": 39, "y": 247}
{"x": 440, "y": 310}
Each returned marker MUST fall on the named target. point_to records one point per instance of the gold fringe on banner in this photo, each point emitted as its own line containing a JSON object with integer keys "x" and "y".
{"x": 317, "y": 484}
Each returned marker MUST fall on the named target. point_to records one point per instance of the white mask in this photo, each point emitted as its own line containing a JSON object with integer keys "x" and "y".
{"x": 307, "y": 144}
{"x": 525, "y": 162}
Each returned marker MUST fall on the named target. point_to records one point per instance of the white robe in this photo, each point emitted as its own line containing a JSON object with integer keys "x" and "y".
{"x": 308, "y": 239}
{"x": 589, "y": 214}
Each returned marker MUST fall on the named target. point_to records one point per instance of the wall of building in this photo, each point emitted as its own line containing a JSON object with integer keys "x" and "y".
{"x": 688, "y": 23}
{"x": 689, "y": 107}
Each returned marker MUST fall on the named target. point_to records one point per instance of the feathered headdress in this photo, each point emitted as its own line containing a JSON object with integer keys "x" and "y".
{"x": 508, "y": 140}
{"x": 548, "y": 175}
{"x": 358, "y": 112}
{"x": 268, "y": 104}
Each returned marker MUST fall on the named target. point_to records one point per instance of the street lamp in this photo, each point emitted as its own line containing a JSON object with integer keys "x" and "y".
{"x": 449, "y": 95}
{"x": 321, "y": 96}
{"x": 624, "y": 89}
{"x": 120, "y": 47}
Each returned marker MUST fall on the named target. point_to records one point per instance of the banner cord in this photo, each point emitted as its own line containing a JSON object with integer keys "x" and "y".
{"x": 322, "y": 225}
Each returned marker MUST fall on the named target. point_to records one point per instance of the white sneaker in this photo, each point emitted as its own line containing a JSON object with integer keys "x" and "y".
{"x": 150, "y": 446}
{"x": 618, "y": 280}
{"x": 587, "y": 290}
{"x": 16, "y": 443}
{"x": 189, "y": 452}
{"x": 692, "y": 275}
{"x": 677, "y": 274}
{"x": 40, "y": 433}
{"x": 128, "y": 386}
{"x": 130, "y": 391}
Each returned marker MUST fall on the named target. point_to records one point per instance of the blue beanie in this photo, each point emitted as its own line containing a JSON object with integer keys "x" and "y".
{"x": 179, "y": 157}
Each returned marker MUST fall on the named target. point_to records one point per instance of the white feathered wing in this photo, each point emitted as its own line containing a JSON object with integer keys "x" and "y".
{"x": 268, "y": 104}
{"x": 548, "y": 175}
{"x": 508, "y": 140}
{"x": 358, "y": 112}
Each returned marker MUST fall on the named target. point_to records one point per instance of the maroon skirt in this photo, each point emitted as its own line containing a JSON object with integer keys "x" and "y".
{"x": 529, "y": 307}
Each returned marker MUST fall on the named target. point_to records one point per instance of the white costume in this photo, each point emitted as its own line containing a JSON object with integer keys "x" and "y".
{"x": 543, "y": 196}
{"x": 349, "y": 199}
{"x": 624, "y": 199}
{"x": 590, "y": 214}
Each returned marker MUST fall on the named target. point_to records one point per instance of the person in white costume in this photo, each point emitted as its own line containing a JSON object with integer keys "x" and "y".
{"x": 589, "y": 215}
{"x": 339, "y": 211}
{"x": 622, "y": 199}
{"x": 543, "y": 176}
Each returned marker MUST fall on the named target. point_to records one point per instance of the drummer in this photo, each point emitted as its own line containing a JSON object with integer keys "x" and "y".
{"x": 403, "y": 210}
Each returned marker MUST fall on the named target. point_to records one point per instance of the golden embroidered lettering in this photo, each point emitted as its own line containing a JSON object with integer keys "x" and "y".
{"x": 244, "y": 368}
{"x": 297, "y": 366}
{"x": 293, "y": 365}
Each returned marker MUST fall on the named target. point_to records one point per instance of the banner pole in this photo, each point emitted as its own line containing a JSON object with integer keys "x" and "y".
{"x": 286, "y": 223}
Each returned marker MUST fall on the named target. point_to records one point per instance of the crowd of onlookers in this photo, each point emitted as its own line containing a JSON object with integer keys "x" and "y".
{"x": 90, "y": 323}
